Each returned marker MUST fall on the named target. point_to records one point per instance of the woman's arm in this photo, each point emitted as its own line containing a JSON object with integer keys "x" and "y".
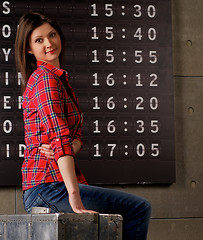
{"x": 67, "y": 168}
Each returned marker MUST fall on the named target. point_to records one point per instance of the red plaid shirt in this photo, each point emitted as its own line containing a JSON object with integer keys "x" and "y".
{"x": 52, "y": 116}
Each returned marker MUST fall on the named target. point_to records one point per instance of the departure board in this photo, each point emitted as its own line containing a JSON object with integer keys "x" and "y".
{"x": 119, "y": 57}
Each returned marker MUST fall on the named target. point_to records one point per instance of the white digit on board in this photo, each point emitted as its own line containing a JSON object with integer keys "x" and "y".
{"x": 139, "y": 104}
{"x": 153, "y": 57}
{"x": 96, "y": 122}
{"x": 94, "y": 29}
{"x": 138, "y": 11}
{"x": 113, "y": 146}
{"x": 109, "y": 32}
{"x": 109, "y": 54}
{"x": 96, "y": 105}
{"x": 110, "y": 103}
{"x": 140, "y": 150}
{"x": 109, "y": 10}
{"x": 154, "y": 103}
{"x": 155, "y": 149}
{"x": 110, "y": 80}
{"x": 153, "y": 82}
{"x": 95, "y": 60}
{"x": 94, "y": 14}
{"x": 141, "y": 126}
{"x": 111, "y": 127}
{"x": 154, "y": 126}
{"x": 152, "y": 34}
{"x": 97, "y": 154}
{"x": 138, "y": 55}
{"x": 139, "y": 83}
{"x": 151, "y": 11}
{"x": 96, "y": 83}
{"x": 138, "y": 34}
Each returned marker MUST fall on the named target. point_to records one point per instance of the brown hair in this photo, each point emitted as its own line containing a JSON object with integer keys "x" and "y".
{"x": 26, "y": 63}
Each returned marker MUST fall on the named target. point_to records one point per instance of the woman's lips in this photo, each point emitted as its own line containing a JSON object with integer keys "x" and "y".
{"x": 51, "y": 51}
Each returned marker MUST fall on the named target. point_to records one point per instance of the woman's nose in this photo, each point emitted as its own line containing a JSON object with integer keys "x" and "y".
{"x": 47, "y": 43}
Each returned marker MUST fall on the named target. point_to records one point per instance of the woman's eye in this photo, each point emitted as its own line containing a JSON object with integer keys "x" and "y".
{"x": 53, "y": 34}
{"x": 39, "y": 40}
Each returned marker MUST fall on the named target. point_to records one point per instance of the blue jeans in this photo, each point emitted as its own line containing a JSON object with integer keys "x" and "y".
{"x": 135, "y": 210}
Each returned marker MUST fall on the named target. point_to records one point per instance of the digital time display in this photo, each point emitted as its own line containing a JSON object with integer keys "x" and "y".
{"x": 119, "y": 56}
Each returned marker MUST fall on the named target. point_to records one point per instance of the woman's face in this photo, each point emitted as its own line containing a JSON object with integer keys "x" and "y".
{"x": 45, "y": 44}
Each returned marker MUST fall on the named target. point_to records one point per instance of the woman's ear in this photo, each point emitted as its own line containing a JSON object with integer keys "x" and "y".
{"x": 29, "y": 50}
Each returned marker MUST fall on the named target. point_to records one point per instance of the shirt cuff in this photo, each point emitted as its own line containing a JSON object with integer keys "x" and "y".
{"x": 61, "y": 148}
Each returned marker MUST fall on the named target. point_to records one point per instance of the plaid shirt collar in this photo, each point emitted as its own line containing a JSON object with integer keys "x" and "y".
{"x": 59, "y": 72}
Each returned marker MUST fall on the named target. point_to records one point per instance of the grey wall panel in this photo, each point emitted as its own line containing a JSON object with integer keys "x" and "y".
{"x": 176, "y": 229}
{"x": 188, "y": 37}
{"x": 7, "y": 200}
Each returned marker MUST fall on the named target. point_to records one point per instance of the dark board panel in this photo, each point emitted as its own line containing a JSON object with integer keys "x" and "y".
{"x": 119, "y": 57}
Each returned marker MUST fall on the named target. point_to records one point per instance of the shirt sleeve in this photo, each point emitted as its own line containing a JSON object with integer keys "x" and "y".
{"x": 50, "y": 105}
{"x": 78, "y": 137}
{"x": 79, "y": 133}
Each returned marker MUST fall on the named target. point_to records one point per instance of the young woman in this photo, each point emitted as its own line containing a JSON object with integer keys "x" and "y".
{"x": 52, "y": 121}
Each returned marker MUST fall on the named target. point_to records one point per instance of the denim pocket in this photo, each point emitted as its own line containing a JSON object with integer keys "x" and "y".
{"x": 33, "y": 198}
{"x": 29, "y": 197}
{"x": 44, "y": 203}
{"x": 45, "y": 195}
{"x": 57, "y": 186}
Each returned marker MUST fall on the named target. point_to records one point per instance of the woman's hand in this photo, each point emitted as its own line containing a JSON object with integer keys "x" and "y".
{"x": 77, "y": 205}
{"x": 47, "y": 151}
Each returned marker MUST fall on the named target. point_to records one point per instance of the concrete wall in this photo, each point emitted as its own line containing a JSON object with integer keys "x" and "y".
{"x": 177, "y": 209}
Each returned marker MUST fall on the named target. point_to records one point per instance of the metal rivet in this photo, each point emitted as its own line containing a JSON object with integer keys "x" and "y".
{"x": 189, "y": 43}
{"x": 190, "y": 110}
{"x": 193, "y": 184}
